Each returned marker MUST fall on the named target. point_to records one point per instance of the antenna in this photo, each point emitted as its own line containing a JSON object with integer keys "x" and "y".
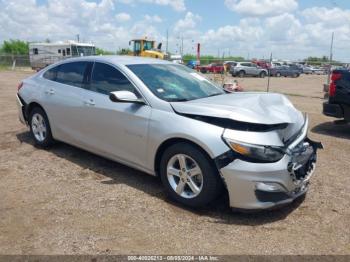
{"x": 330, "y": 60}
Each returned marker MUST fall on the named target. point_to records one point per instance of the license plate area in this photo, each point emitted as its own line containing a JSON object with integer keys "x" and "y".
{"x": 303, "y": 163}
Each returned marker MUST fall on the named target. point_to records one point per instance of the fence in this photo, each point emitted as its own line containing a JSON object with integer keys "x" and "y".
{"x": 14, "y": 61}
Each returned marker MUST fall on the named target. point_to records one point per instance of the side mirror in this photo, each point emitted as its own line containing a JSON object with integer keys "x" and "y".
{"x": 125, "y": 97}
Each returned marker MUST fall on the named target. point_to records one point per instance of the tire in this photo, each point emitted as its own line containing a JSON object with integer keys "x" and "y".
{"x": 241, "y": 73}
{"x": 40, "y": 128}
{"x": 207, "y": 181}
{"x": 262, "y": 74}
{"x": 278, "y": 74}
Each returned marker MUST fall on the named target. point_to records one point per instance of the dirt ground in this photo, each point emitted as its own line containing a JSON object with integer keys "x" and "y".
{"x": 68, "y": 201}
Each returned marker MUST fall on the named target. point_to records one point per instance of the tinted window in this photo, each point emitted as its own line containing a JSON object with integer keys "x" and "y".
{"x": 51, "y": 74}
{"x": 246, "y": 64}
{"x": 106, "y": 79}
{"x": 72, "y": 73}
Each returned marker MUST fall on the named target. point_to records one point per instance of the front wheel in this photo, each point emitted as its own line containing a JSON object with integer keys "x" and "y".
{"x": 40, "y": 128}
{"x": 188, "y": 175}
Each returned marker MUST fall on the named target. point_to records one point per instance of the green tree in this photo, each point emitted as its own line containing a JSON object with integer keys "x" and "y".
{"x": 16, "y": 47}
{"x": 124, "y": 51}
{"x": 100, "y": 51}
{"x": 207, "y": 59}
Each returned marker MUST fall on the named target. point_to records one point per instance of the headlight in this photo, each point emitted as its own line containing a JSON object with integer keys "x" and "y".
{"x": 256, "y": 153}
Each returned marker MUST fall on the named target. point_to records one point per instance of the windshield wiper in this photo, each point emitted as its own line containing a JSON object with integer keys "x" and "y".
{"x": 216, "y": 94}
{"x": 177, "y": 100}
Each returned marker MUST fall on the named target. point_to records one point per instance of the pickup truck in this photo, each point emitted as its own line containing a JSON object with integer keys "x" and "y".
{"x": 211, "y": 68}
{"x": 338, "y": 104}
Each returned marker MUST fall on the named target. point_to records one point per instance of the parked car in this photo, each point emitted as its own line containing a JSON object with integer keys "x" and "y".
{"x": 168, "y": 121}
{"x": 192, "y": 64}
{"x": 338, "y": 104}
{"x": 211, "y": 68}
{"x": 284, "y": 71}
{"x": 263, "y": 64}
{"x": 246, "y": 68}
{"x": 229, "y": 64}
{"x": 319, "y": 71}
{"x": 308, "y": 70}
{"x": 297, "y": 68}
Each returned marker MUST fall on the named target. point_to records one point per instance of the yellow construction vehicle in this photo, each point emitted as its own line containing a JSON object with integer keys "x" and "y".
{"x": 146, "y": 48}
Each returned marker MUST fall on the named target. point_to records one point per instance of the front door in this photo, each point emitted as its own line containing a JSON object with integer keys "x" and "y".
{"x": 119, "y": 130}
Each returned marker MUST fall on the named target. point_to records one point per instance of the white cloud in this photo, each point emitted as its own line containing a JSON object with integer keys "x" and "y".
{"x": 330, "y": 17}
{"x": 153, "y": 18}
{"x": 294, "y": 34}
{"x": 122, "y": 17}
{"x": 261, "y": 7}
{"x": 177, "y": 5}
{"x": 187, "y": 23}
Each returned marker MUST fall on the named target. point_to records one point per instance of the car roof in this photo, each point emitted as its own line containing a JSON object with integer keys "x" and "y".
{"x": 120, "y": 60}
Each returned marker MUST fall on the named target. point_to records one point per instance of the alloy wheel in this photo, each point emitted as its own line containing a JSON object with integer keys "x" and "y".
{"x": 185, "y": 176}
{"x": 39, "y": 127}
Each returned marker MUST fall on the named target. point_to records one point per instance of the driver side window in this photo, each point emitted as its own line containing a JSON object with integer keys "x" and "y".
{"x": 106, "y": 79}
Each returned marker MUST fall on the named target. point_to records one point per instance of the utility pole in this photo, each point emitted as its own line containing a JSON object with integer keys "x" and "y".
{"x": 268, "y": 75}
{"x": 167, "y": 38}
{"x": 330, "y": 60}
{"x": 182, "y": 46}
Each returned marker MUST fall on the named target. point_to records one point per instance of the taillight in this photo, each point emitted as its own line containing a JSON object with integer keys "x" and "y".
{"x": 333, "y": 86}
{"x": 19, "y": 86}
{"x": 336, "y": 76}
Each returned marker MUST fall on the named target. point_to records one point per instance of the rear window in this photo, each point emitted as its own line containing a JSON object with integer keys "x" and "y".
{"x": 71, "y": 73}
{"x": 51, "y": 74}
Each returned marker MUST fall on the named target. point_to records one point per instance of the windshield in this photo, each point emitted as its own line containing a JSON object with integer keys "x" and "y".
{"x": 175, "y": 82}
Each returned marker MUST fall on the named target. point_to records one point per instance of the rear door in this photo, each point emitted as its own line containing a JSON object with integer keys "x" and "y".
{"x": 64, "y": 99}
{"x": 119, "y": 130}
{"x": 250, "y": 69}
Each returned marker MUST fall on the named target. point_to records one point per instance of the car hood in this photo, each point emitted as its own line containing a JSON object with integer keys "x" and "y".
{"x": 257, "y": 108}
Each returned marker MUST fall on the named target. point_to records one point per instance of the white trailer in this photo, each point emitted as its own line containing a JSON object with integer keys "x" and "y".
{"x": 44, "y": 54}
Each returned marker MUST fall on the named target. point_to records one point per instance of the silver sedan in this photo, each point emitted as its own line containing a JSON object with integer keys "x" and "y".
{"x": 169, "y": 121}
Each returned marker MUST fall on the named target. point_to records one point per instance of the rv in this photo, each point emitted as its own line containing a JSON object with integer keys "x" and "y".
{"x": 44, "y": 54}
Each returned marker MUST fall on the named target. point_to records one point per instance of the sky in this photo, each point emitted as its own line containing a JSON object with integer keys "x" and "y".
{"x": 290, "y": 29}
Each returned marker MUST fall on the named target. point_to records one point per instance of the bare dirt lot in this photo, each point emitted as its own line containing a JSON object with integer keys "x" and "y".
{"x": 68, "y": 201}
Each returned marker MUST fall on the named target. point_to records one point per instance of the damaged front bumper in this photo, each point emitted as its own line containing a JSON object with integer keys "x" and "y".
{"x": 267, "y": 185}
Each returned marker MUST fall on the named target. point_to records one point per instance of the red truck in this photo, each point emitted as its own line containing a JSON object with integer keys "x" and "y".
{"x": 211, "y": 68}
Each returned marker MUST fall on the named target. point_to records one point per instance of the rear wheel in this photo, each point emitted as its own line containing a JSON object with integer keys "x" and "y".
{"x": 40, "y": 128}
{"x": 241, "y": 73}
{"x": 188, "y": 175}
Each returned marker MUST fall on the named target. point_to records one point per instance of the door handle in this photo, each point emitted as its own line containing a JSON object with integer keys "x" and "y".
{"x": 50, "y": 91}
{"x": 89, "y": 102}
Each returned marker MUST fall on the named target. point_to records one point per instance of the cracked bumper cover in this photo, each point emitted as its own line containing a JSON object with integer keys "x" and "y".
{"x": 267, "y": 185}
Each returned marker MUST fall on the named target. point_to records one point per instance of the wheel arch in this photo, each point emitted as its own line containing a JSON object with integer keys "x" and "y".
{"x": 31, "y": 106}
{"x": 171, "y": 141}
